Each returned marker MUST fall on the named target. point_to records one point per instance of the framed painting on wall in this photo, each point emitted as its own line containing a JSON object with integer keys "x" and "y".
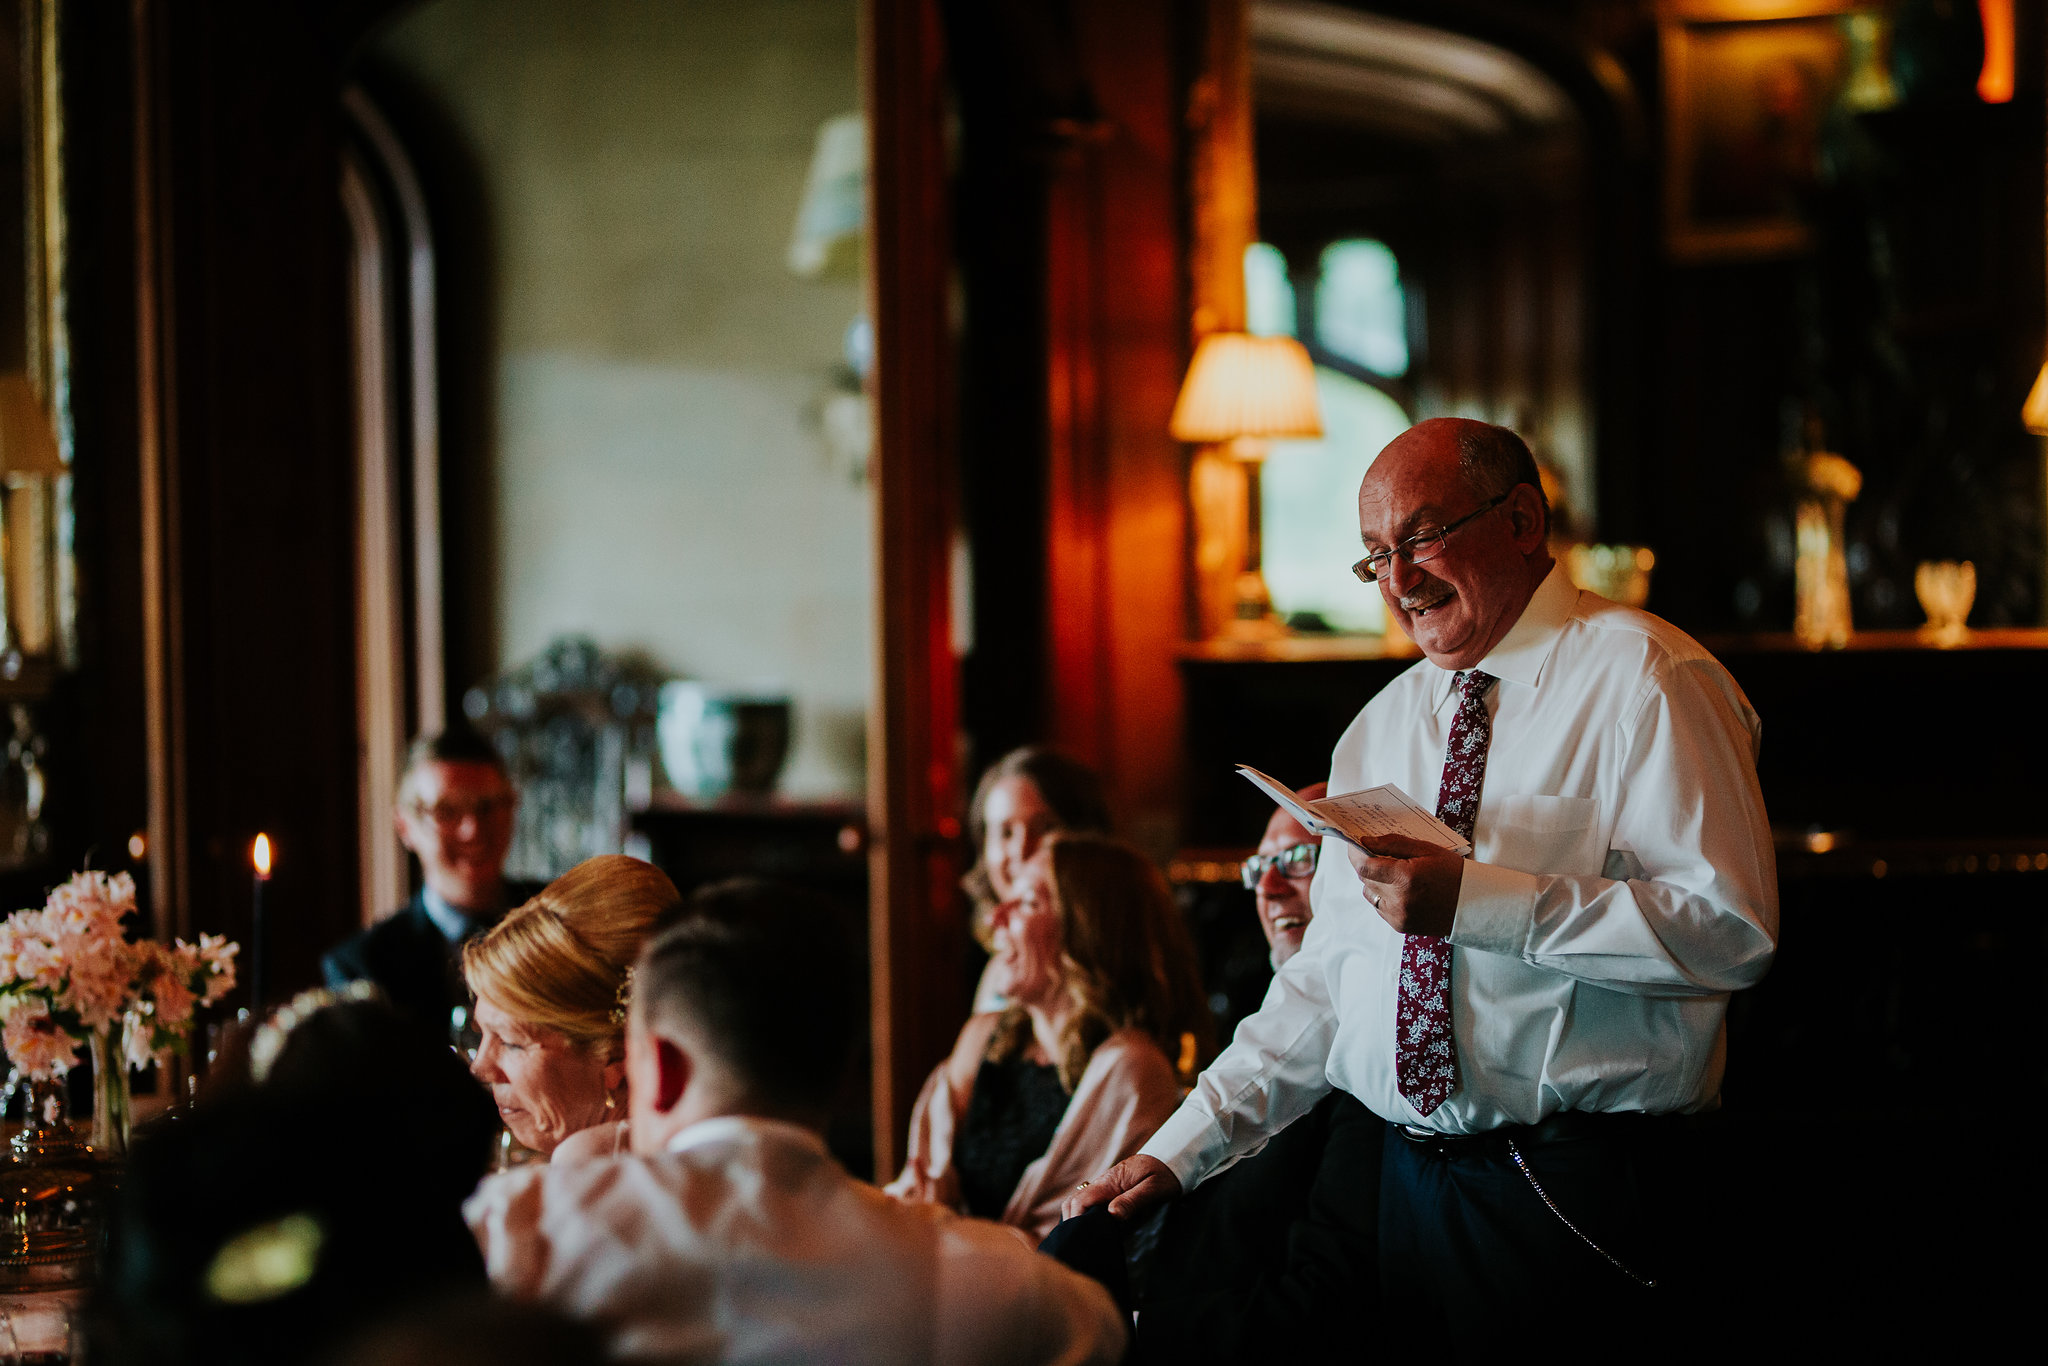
{"x": 1747, "y": 87}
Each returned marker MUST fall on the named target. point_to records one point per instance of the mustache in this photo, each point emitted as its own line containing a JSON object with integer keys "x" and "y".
{"x": 1429, "y": 597}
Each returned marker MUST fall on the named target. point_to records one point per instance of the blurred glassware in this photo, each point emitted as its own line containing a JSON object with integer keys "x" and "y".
{"x": 1620, "y": 573}
{"x": 1946, "y": 589}
{"x": 54, "y": 1193}
{"x": 1827, "y": 484}
{"x": 717, "y": 740}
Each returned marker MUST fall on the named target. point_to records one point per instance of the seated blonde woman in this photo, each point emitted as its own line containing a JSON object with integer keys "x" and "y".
{"x": 550, "y": 984}
{"x": 1103, "y": 993}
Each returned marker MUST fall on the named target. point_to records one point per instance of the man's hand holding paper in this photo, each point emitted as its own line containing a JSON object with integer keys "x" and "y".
{"x": 1412, "y": 884}
{"x": 1366, "y": 819}
{"x": 1410, "y": 862}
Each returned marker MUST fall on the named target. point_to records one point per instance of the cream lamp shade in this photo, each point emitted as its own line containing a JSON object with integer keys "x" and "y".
{"x": 28, "y": 444}
{"x": 1243, "y": 387}
{"x": 2035, "y": 413}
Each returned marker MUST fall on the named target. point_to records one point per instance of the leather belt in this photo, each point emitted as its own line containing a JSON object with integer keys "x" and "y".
{"x": 1563, "y": 1127}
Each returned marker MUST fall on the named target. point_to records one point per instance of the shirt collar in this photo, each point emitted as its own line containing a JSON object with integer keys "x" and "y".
{"x": 452, "y": 923}
{"x": 1526, "y": 648}
{"x": 725, "y": 1128}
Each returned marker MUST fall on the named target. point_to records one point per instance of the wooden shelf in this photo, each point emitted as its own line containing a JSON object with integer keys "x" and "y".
{"x": 1296, "y": 649}
{"x": 1784, "y": 642}
{"x": 762, "y": 806}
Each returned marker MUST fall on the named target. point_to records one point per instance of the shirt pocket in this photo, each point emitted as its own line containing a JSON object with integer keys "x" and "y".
{"x": 1554, "y": 835}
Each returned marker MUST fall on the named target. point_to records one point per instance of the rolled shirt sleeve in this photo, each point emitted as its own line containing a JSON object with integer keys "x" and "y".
{"x": 1273, "y": 1072}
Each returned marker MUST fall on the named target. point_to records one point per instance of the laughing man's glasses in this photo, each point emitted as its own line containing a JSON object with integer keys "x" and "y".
{"x": 447, "y": 815}
{"x": 1422, "y": 547}
{"x": 1299, "y": 861}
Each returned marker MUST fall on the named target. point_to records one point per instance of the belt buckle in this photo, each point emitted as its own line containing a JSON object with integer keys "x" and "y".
{"x": 1443, "y": 1145}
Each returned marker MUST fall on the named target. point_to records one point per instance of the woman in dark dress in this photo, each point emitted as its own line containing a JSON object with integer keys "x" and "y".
{"x": 1104, "y": 1014}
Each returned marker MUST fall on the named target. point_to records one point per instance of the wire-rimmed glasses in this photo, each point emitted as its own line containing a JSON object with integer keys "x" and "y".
{"x": 1423, "y": 546}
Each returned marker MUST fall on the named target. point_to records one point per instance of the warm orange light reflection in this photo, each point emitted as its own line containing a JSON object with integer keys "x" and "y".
{"x": 260, "y": 855}
{"x": 1994, "y": 82}
{"x": 2034, "y": 414}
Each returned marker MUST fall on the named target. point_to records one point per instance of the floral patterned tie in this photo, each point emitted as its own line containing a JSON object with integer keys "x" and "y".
{"x": 1425, "y": 1059}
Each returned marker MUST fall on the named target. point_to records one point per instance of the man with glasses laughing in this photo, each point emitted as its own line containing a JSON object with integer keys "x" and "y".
{"x": 1278, "y": 877}
{"x": 1534, "y": 1021}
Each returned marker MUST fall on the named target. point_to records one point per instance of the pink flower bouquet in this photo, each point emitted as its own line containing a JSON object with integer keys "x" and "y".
{"x": 67, "y": 971}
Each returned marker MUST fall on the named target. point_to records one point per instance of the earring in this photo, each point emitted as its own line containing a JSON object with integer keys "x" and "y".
{"x": 610, "y": 1104}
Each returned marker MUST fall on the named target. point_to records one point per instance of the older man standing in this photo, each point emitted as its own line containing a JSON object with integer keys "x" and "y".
{"x": 1529, "y": 1019}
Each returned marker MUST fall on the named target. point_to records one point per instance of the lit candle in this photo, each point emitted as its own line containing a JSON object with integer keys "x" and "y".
{"x": 259, "y": 855}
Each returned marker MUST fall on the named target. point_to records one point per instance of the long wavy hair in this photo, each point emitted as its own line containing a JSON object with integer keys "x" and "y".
{"x": 1126, "y": 959}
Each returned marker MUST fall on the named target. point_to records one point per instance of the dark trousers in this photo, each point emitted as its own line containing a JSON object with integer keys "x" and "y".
{"x": 1473, "y": 1262}
{"x": 1275, "y": 1259}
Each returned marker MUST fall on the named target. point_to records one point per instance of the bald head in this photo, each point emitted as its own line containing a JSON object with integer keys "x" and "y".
{"x": 1489, "y": 459}
{"x": 1479, "y": 484}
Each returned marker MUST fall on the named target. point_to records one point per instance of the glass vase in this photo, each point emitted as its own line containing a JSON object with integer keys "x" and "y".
{"x": 111, "y": 1102}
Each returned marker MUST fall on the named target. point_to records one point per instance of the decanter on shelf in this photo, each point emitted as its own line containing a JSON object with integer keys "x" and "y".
{"x": 1826, "y": 484}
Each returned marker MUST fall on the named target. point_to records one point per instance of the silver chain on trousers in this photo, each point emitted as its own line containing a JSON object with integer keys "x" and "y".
{"x": 1551, "y": 1205}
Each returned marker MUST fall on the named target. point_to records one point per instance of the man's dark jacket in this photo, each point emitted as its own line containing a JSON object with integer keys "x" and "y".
{"x": 406, "y": 954}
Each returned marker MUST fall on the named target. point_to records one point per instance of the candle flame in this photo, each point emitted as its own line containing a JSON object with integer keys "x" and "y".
{"x": 261, "y": 855}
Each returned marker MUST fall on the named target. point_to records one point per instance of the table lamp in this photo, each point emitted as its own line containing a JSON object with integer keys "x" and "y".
{"x": 1241, "y": 392}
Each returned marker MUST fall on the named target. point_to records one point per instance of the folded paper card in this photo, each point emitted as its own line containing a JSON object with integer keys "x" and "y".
{"x": 1359, "y": 818}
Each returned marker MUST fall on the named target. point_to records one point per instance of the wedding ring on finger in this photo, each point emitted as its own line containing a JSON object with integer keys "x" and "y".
{"x": 1373, "y": 897}
{"x": 1083, "y": 1186}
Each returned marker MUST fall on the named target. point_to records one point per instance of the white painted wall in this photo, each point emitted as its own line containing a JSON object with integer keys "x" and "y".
{"x": 662, "y": 484}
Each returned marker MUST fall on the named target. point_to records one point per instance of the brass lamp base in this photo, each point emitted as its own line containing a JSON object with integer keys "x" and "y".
{"x": 1253, "y": 619}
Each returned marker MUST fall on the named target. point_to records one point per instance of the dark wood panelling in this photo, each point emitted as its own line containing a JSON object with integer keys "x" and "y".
{"x": 1117, "y": 346}
{"x": 216, "y": 540}
{"x": 916, "y": 916}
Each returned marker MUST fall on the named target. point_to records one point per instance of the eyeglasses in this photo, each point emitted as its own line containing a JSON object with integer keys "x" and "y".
{"x": 1423, "y": 546}
{"x": 1299, "y": 861}
{"x": 447, "y": 815}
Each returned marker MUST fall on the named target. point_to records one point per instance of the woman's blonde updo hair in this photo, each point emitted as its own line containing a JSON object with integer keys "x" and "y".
{"x": 559, "y": 962}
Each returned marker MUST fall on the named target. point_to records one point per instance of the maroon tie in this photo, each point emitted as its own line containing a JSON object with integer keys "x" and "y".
{"x": 1425, "y": 1059}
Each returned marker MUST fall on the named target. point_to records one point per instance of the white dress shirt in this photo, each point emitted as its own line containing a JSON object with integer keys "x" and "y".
{"x": 1621, "y": 884}
{"x": 746, "y": 1242}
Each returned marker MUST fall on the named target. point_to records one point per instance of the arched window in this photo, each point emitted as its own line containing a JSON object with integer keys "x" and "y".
{"x": 1268, "y": 293}
{"x": 1309, "y": 489}
{"x": 1361, "y": 312}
